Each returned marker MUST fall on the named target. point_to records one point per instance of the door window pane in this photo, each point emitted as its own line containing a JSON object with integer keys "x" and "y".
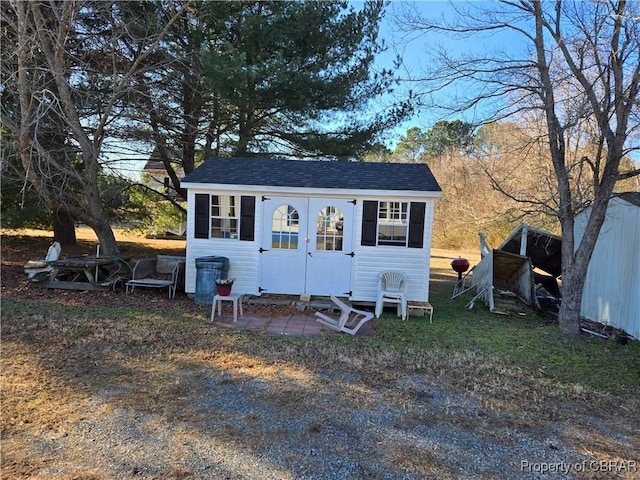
{"x": 285, "y": 227}
{"x": 329, "y": 229}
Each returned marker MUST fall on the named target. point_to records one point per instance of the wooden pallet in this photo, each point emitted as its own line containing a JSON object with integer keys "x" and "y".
{"x": 420, "y": 309}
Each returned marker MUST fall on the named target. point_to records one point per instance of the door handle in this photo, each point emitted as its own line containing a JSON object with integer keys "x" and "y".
{"x": 309, "y": 253}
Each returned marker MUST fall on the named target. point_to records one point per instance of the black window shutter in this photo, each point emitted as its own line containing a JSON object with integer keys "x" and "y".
{"x": 369, "y": 222}
{"x": 416, "y": 224}
{"x": 202, "y": 216}
{"x": 247, "y": 218}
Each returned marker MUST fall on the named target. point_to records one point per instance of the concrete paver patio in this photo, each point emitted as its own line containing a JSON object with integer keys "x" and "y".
{"x": 296, "y": 324}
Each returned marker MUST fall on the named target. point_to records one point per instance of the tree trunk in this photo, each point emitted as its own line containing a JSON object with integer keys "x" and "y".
{"x": 571, "y": 304}
{"x": 244, "y": 136}
{"x": 576, "y": 257}
{"x": 64, "y": 230}
{"x": 106, "y": 239}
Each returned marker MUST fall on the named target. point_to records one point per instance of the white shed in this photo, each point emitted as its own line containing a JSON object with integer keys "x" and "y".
{"x": 611, "y": 293}
{"x": 312, "y": 227}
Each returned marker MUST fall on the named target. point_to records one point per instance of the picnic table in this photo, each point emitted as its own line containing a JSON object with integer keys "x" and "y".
{"x": 86, "y": 273}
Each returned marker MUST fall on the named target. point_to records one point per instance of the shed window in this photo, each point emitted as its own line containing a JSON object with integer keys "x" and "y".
{"x": 393, "y": 223}
{"x": 224, "y": 216}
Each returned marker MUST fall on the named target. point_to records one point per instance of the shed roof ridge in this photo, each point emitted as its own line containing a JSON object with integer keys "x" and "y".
{"x": 332, "y": 174}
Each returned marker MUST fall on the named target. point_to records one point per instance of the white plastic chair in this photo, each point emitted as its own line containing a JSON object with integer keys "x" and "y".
{"x": 392, "y": 288}
{"x": 42, "y": 265}
{"x": 350, "y": 319}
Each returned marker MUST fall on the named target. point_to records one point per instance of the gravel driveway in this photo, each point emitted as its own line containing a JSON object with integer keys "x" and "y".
{"x": 230, "y": 424}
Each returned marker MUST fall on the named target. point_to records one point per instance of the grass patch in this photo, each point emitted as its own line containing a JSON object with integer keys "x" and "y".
{"x": 530, "y": 344}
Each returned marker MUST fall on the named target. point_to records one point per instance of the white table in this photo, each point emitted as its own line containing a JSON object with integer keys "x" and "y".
{"x": 236, "y": 298}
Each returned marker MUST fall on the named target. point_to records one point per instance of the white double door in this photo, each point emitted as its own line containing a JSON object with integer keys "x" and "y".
{"x": 307, "y": 246}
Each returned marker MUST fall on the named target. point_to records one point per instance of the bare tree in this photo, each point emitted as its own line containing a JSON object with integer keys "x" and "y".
{"x": 50, "y": 79}
{"x": 581, "y": 68}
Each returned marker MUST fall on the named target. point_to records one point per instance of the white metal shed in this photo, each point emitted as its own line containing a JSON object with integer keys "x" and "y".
{"x": 611, "y": 293}
{"x": 312, "y": 227}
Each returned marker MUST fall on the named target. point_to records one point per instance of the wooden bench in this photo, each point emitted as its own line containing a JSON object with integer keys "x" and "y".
{"x": 161, "y": 271}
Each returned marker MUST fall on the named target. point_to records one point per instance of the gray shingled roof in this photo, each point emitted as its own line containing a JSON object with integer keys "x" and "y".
{"x": 631, "y": 197}
{"x": 314, "y": 174}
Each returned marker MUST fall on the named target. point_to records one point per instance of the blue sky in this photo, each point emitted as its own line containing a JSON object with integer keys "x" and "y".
{"x": 414, "y": 50}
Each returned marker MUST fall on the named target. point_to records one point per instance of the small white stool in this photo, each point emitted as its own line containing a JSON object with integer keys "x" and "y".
{"x": 236, "y": 298}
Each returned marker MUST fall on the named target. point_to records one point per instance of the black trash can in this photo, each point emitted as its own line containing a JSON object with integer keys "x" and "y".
{"x": 208, "y": 270}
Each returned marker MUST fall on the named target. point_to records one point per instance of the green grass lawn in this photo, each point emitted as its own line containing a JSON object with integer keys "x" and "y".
{"x": 531, "y": 344}
{"x": 460, "y": 343}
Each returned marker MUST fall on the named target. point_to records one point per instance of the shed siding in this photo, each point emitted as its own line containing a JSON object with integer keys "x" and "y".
{"x": 612, "y": 288}
{"x": 369, "y": 261}
{"x": 243, "y": 255}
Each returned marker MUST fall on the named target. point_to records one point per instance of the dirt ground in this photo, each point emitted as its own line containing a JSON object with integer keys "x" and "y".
{"x": 135, "y": 243}
{"x": 129, "y": 240}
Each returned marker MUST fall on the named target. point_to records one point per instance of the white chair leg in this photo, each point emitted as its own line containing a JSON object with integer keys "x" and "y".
{"x": 213, "y": 310}
{"x": 379, "y": 307}
{"x": 235, "y": 310}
